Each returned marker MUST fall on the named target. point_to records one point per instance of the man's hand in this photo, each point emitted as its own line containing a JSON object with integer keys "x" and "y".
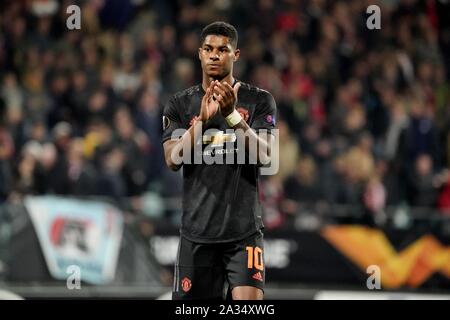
{"x": 209, "y": 106}
{"x": 226, "y": 96}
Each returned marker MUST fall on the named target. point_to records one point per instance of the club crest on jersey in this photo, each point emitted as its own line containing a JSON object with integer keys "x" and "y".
{"x": 186, "y": 284}
{"x": 258, "y": 276}
{"x": 243, "y": 112}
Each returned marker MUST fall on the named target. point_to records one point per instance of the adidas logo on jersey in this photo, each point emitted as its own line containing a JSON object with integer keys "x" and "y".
{"x": 258, "y": 276}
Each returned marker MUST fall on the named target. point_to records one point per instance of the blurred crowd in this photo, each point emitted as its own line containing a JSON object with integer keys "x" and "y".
{"x": 364, "y": 115}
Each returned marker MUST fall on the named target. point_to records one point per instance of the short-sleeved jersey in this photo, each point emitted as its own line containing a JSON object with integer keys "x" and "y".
{"x": 220, "y": 199}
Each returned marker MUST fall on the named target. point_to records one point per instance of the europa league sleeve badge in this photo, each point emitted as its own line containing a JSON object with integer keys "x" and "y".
{"x": 166, "y": 122}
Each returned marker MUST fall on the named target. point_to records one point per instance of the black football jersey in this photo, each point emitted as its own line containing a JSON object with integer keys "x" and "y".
{"x": 220, "y": 192}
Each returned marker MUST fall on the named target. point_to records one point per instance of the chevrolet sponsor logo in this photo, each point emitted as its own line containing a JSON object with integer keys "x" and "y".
{"x": 218, "y": 139}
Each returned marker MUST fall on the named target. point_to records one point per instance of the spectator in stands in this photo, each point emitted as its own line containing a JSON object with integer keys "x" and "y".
{"x": 421, "y": 136}
{"x": 301, "y": 188}
{"x": 26, "y": 171}
{"x": 110, "y": 181}
{"x": 81, "y": 175}
{"x": 374, "y": 201}
{"x": 272, "y": 198}
{"x": 50, "y": 173}
{"x": 148, "y": 119}
{"x": 6, "y": 155}
{"x": 444, "y": 196}
{"x": 422, "y": 187}
{"x": 135, "y": 146}
{"x": 288, "y": 150}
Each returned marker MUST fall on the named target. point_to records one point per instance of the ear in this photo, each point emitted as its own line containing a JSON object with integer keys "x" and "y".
{"x": 199, "y": 54}
{"x": 237, "y": 53}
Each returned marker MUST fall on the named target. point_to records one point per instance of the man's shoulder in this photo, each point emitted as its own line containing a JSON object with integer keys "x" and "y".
{"x": 254, "y": 91}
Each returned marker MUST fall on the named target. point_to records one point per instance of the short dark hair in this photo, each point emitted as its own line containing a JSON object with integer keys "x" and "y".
{"x": 220, "y": 28}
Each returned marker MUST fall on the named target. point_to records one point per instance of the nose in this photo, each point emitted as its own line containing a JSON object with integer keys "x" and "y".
{"x": 214, "y": 55}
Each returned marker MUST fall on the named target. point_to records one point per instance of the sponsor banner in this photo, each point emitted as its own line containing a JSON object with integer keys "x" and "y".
{"x": 85, "y": 234}
{"x": 411, "y": 266}
{"x": 341, "y": 256}
{"x": 358, "y": 295}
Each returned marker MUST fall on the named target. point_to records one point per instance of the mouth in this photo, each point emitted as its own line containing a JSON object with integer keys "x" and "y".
{"x": 213, "y": 65}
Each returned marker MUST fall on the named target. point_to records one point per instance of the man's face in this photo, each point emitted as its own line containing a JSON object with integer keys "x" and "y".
{"x": 217, "y": 56}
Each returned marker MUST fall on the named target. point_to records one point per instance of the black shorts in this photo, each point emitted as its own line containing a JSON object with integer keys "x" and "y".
{"x": 210, "y": 271}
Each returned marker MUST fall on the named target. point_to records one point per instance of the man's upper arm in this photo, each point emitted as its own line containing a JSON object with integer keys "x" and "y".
{"x": 168, "y": 146}
{"x": 265, "y": 113}
{"x": 171, "y": 120}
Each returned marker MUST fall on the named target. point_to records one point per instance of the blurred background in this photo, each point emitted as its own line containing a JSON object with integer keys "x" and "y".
{"x": 364, "y": 122}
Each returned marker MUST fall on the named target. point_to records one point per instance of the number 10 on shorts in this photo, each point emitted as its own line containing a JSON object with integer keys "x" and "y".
{"x": 254, "y": 258}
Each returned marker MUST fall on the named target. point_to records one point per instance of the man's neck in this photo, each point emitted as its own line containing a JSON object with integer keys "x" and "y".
{"x": 207, "y": 81}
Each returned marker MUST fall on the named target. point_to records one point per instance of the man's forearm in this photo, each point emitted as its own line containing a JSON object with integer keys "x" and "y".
{"x": 190, "y": 138}
{"x": 185, "y": 143}
{"x": 255, "y": 146}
